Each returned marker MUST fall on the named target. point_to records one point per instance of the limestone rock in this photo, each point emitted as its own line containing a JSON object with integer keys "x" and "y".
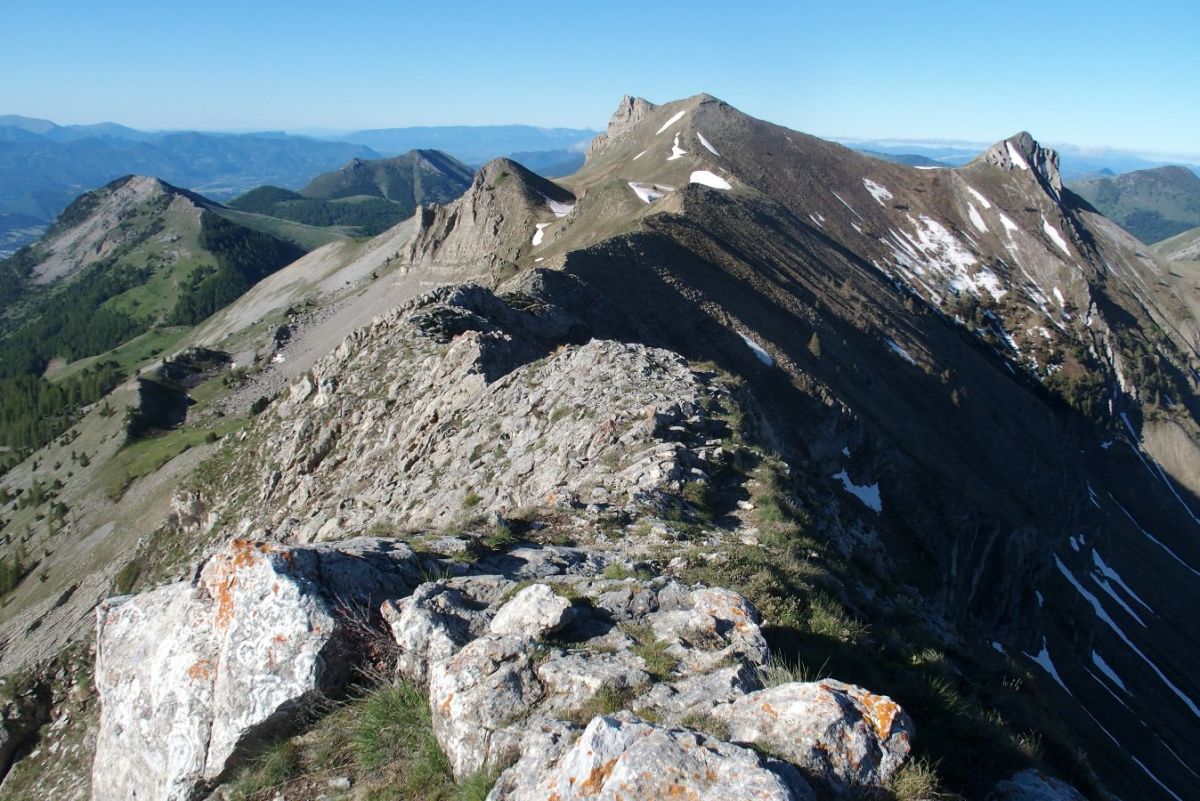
{"x": 623, "y": 757}
{"x": 841, "y": 735}
{"x": 1033, "y": 785}
{"x": 189, "y": 673}
{"x": 431, "y": 625}
{"x": 1022, "y": 152}
{"x": 533, "y": 612}
{"x": 485, "y": 686}
{"x": 707, "y": 626}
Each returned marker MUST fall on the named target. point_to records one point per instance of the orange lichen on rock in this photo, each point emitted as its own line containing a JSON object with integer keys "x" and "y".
{"x": 223, "y": 578}
{"x": 201, "y": 670}
{"x": 881, "y": 713}
{"x": 595, "y": 780}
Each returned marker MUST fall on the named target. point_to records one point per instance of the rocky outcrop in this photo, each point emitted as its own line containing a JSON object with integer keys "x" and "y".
{"x": 629, "y": 113}
{"x": 1022, "y": 152}
{"x": 678, "y": 655}
{"x": 844, "y": 737}
{"x": 461, "y": 383}
{"x": 492, "y": 225}
{"x": 624, "y": 757}
{"x": 1033, "y": 785}
{"x": 190, "y": 673}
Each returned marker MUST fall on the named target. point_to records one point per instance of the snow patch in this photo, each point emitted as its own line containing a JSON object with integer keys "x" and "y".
{"x": 817, "y": 221}
{"x": 1109, "y": 573}
{"x": 1055, "y": 236}
{"x": 879, "y": 192}
{"x": 639, "y": 155}
{"x": 1058, "y": 295}
{"x": 867, "y": 493}
{"x": 1098, "y": 608}
{"x": 983, "y": 201}
{"x": 1016, "y": 156}
{"x": 649, "y": 192}
{"x": 539, "y": 233}
{"x": 560, "y": 209}
{"x": 758, "y": 350}
{"x": 1099, "y": 662}
{"x": 901, "y": 352}
{"x": 1154, "y": 539}
{"x": 674, "y": 119}
{"x": 976, "y": 219}
{"x": 706, "y": 143}
{"x": 676, "y": 150}
{"x": 709, "y": 179}
{"x": 1009, "y": 226}
{"x": 847, "y": 205}
{"x": 1043, "y": 659}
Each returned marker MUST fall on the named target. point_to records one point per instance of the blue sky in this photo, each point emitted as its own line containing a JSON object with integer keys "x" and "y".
{"x": 1123, "y": 75}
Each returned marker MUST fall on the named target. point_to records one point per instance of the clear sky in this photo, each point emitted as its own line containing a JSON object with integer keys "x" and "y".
{"x": 1118, "y": 74}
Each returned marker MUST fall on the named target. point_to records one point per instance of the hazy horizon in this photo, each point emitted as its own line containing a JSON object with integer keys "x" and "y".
{"x": 1095, "y": 75}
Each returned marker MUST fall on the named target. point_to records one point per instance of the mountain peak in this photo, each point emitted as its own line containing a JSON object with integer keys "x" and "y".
{"x": 1022, "y": 152}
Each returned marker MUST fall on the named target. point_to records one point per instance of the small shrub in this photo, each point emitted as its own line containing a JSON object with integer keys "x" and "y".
{"x": 260, "y": 405}
{"x": 471, "y": 500}
{"x": 917, "y": 781}
{"x": 274, "y": 766}
{"x": 126, "y": 578}
{"x": 706, "y": 723}
{"x": 653, "y": 651}
{"x": 607, "y": 701}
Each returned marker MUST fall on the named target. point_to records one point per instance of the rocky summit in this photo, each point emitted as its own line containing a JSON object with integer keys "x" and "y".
{"x": 736, "y": 465}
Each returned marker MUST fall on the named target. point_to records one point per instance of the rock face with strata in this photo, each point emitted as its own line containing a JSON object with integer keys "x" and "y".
{"x": 491, "y": 226}
{"x": 190, "y": 673}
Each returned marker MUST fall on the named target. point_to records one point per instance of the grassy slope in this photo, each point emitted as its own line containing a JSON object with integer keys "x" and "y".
{"x": 1181, "y": 247}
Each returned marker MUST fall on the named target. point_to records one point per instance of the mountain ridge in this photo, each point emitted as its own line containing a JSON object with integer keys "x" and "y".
{"x": 938, "y": 427}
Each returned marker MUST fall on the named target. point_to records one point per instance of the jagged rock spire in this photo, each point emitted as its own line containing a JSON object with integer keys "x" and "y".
{"x": 629, "y": 113}
{"x": 1022, "y": 152}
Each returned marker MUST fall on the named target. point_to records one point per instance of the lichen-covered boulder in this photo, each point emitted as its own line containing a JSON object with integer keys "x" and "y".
{"x": 622, "y": 757}
{"x": 190, "y": 673}
{"x": 843, "y": 736}
{"x": 1033, "y": 785}
{"x": 533, "y": 612}
{"x": 487, "y": 685}
{"x": 431, "y": 625}
{"x": 706, "y": 627}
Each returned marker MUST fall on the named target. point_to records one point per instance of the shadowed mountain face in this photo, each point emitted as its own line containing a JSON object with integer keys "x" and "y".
{"x": 1007, "y": 368}
{"x": 368, "y": 196}
{"x": 1153, "y": 205}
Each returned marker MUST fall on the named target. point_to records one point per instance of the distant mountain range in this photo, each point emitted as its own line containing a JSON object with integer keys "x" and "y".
{"x": 1075, "y": 163}
{"x": 43, "y": 165}
{"x": 369, "y": 196}
{"x": 1153, "y": 205}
